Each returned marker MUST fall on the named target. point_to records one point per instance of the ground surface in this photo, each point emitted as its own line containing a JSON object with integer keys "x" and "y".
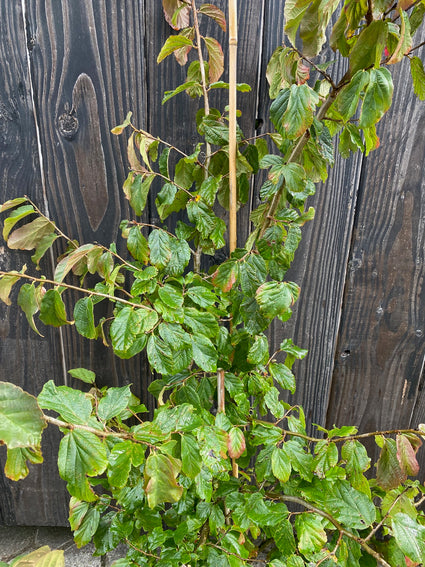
{"x": 17, "y": 540}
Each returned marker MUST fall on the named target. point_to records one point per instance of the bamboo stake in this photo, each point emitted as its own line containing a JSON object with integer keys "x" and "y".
{"x": 220, "y": 391}
{"x": 233, "y": 46}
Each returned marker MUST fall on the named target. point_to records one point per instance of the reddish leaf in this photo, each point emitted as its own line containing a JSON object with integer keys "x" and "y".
{"x": 235, "y": 443}
{"x": 216, "y": 59}
{"x": 406, "y": 456}
{"x": 226, "y": 275}
{"x": 28, "y": 236}
{"x": 389, "y": 473}
{"x": 182, "y": 18}
{"x": 215, "y": 13}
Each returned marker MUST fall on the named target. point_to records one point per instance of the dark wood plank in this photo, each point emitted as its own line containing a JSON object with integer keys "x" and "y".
{"x": 380, "y": 352}
{"x": 88, "y": 70}
{"x": 25, "y": 358}
{"x": 320, "y": 262}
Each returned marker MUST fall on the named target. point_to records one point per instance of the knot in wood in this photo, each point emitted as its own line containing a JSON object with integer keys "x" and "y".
{"x": 68, "y": 125}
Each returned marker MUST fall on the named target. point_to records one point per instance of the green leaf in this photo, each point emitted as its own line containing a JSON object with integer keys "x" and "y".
{"x": 348, "y": 98}
{"x": 367, "y": 50}
{"x": 378, "y": 97}
{"x": 301, "y": 461}
{"x": 28, "y": 236}
{"x": 173, "y": 43}
{"x": 52, "y": 309}
{"x": 202, "y": 296}
{"x": 138, "y": 191}
{"x": 43, "y": 245}
{"x": 191, "y": 458}
{"x": 418, "y": 77}
{"x": 114, "y": 402}
{"x": 410, "y": 537}
{"x": 160, "y": 355}
{"x": 184, "y": 87}
{"x": 274, "y": 298}
{"x": 236, "y": 444}
{"x": 201, "y": 322}
{"x": 28, "y": 300}
{"x": 83, "y": 374}
{"x": 179, "y": 257}
{"x": 84, "y": 318}
{"x": 355, "y": 456}
{"x": 72, "y": 405}
{"x": 21, "y": 420}
{"x": 204, "y": 353}
{"x": 283, "y": 376}
{"x": 81, "y": 453}
{"x": 281, "y": 465}
{"x": 119, "y": 464}
{"x": 226, "y": 275}
{"x": 314, "y": 23}
{"x": 311, "y": 534}
{"x": 16, "y": 467}
{"x": 296, "y": 116}
{"x": 161, "y": 472}
{"x": 129, "y": 326}
{"x": 14, "y": 217}
{"x": 259, "y": 350}
{"x": 138, "y": 245}
{"x": 160, "y": 248}
{"x": 326, "y": 457}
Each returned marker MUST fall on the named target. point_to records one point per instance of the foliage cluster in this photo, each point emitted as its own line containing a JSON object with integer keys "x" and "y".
{"x": 225, "y": 474}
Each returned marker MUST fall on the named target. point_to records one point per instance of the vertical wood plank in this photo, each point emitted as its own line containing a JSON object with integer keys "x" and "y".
{"x": 25, "y": 358}
{"x": 320, "y": 262}
{"x": 381, "y": 347}
{"x": 88, "y": 68}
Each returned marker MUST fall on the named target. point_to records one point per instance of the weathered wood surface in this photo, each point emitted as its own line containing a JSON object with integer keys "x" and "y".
{"x": 360, "y": 265}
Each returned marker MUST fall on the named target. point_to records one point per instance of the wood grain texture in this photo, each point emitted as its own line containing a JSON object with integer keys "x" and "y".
{"x": 320, "y": 262}
{"x": 380, "y": 351}
{"x": 88, "y": 71}
{"x": 25, "y": 358}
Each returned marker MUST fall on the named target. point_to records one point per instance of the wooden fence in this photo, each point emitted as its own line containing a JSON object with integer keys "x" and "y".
{"x": 69, "y": 71}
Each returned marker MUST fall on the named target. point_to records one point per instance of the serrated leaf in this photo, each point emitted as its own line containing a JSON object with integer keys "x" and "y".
{"x": 179, "y": 257}
{"x": 283, "y": 376}
{"x": 389, "y": 473}
{"x": 259, "y": 350}
{"x": 406, "y": 456}
{"x": 311, "y": 533}
{"x": 138, "y": 191}
{"x": 204, "y": 353}
{"x": 215, "y": 13}
{"x": 160, "y": 250}
{"x": 378, "y": 97}
{"x": 81, "y": 454}
{"x": 129, "y": 326}
{"x": 348, "y": 98}
{"x": 114, "y": 402}
{"x": 173, "y": 43}
{"x": 16, "y": 467}
{"x": 160, "y": 355}
{"x": 418, "y": 77}
{"x": 21, "y": 420}
{"x": 226, "y": 275}
{"x": 281, "y": 466}
{"x": 410, "y": 537}
{"x": 28, "y": 236}
{"x": 236, "y": 444}
{"x": 298, "y": 115}
{"x": 215, "y": 59}
{"x": 191, "y": 458}
{"x": 356, "y": 457}
{"x": 367, "y": 50}
{"x": 137, "y": 245}
{"x": 161, "y": 471}
{"x": 201, "y": 322}
{"x": 274, "y": 298}
{"x": 84, "y": 318}
{"x": 72, "y": 405}
{"x": 28, "y": 300}
{"x": 52, "y": 309}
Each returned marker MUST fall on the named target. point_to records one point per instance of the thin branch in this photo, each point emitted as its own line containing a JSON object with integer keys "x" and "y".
{"x": 97, "y": 432}
{"x": 416, "y": 47}
{"x": 310, "y": 62}
{"x": 381, "y": 523}
{"x": 76, "y": 288}
{"x": 331, "y": 519}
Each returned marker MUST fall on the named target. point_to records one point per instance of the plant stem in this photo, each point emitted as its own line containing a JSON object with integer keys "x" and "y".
{"x": 341, "y": 530}
{"x": 233, "y": 46}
